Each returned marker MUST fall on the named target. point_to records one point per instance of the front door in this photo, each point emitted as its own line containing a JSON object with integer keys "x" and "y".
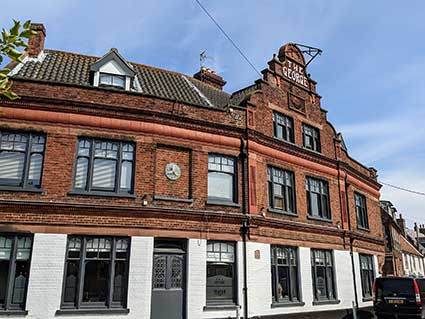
{"x": 168, "y": 286}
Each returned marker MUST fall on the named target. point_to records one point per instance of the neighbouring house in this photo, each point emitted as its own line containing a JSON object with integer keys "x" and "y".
{"x": 130, "y": 191}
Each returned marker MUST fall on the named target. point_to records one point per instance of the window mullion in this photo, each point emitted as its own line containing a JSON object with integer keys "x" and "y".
{"x": 80, "y": 283}
{"x": 27, "y": 161}
{"x": 91, "y": 165}
{"x": 112, "y": 273}
{"x": 12, "y": 269}
{"x": 118, "y": 170}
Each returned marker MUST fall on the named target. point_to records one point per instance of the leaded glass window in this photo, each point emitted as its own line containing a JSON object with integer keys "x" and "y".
{"x": 96, "y": 272}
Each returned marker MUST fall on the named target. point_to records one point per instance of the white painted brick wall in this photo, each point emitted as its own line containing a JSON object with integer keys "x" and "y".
{"x": 259, "y": 282}
{"x": 46, "y": 277}
{"x": 197, "y": 277}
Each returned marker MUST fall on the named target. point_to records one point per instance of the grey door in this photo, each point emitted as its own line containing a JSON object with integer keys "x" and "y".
{"x": 168, "y": 286}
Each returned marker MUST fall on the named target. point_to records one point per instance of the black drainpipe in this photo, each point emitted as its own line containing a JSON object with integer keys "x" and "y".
{"x": 245, "y": 221}
{"x": 353, "y": 269}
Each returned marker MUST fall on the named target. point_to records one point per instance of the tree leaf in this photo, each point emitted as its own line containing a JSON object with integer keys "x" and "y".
{"x": 27, "y": 24}
{"x": 14, "y": 31}
{"x": 14, "y": 54}
{"x": 28, "y": 33}
{"x": 10, "y": 95}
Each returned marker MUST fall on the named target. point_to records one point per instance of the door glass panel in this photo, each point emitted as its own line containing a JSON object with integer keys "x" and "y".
{"x": 176, "y": 272}
{"x": 160, "y": 264}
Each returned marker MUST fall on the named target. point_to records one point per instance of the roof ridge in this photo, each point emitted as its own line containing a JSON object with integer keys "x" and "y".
{"x": 154, "y": 68}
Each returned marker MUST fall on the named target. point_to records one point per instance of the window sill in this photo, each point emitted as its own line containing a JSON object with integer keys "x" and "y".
{"x": 363, "y": 229}
{"x": 326, "y": 302}
{"x": 173, "y": 199}
{"x": 20, "y": 189}
{"x": 13, "y": 313}
{"x": 320, "y": 219}
{"x": 222, "y": 203}
{"x": 282, "y": 212}
{"x": 366, "y": 299}
{"x": 102, "y": 194}
{"x": 313, "y": 151}
{"x": 218, "y": 307}
{"x": 287, "y": 304}
{"x": 284, "y": 141}
{"x": 93, "y": 311}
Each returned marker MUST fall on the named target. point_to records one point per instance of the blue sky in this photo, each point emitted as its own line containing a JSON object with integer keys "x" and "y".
{"x": 371, "y": 73}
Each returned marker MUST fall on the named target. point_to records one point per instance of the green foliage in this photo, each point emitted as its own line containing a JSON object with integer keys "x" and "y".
{"x": 11, "y": 44}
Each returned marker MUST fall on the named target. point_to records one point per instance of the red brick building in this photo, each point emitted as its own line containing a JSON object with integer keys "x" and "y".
{"x": 139, "y": 192}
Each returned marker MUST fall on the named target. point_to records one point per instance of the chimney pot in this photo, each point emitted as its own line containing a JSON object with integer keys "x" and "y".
{"x": 36, "y": 42}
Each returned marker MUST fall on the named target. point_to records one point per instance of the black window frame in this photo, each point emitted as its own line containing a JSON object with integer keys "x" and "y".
{"x": 323, "y": 214}
{"x": 287, "y": 190}
{"x": 117, "y": 190}
{"x": 9, "y": 305}
{"x": 329, "y": 256}
{"x": 361, "y": 211}
{"x": 313, "y": 133}
{"x": 284, "y": 123}
{"x": 24, "y": 184}
{"x": 367, "y": 275}
{"x": 78, "y": 303}
{"x": 234, "y": 267}
{"x": 234, "y": 174}
{"x": 292, "y": 269}
{"x": 123, "y": 77}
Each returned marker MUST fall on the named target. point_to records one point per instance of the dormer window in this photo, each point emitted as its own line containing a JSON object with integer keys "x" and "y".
{"x": 114, "y": 80}
{"x": 113, "y": 71}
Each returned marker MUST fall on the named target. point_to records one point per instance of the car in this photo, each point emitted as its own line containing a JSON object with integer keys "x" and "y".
{"x": 399, "y": 297}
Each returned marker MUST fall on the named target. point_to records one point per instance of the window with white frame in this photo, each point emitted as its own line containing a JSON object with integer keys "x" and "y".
{"x": 21, "y": 159}
{"x": 113, "y": 80}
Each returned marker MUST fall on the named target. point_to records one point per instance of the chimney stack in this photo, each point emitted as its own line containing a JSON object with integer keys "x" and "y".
{"x": 209, "y": 77}
{"x": 402, "y": 223}
{"x": 36, "y": 43}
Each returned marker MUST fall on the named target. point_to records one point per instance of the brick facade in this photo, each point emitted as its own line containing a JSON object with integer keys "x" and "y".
{"x": 167, "y": 131}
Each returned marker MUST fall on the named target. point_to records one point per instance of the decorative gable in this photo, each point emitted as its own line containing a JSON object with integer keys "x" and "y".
{"x": 112, "y": 70}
